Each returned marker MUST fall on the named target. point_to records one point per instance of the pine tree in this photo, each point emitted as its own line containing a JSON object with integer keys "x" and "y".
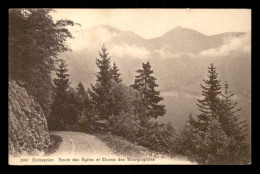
{"x": 215, "y": 143}
{"x": 63, "y": 114}
{"x": 81, "y": 92}
{"x": 216, "y": 136}
{"x": 100, "y": 93}
{"x": 229, "y": 118}
{"x": 235, "y": 128}
{"x": 83, "y": 108}
{"x": 115, "y": 74}
{"x": 209, "y": 105}
{"x": 81, "y": 96}
{"x": 62, "y": 81}
{"x": 210, "y": 140}
{"x": 145, "y": 84}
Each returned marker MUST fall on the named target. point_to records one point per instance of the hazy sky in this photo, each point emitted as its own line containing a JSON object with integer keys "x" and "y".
{"x": 150, "y": 23}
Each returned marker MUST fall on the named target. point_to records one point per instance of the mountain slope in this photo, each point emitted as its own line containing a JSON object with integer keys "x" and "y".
{"x": 183, "y": 40}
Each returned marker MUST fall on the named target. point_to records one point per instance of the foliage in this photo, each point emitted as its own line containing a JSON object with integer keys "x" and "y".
{"x": 157, "y": 137}
{"x": 234, "y": 127}
{"x": 124, "y": 147}
{"x": 63, "y": 114}
{"x": 209, "y": 105}
{"x": 216, "y": 136}
{"x": 83, "y": 108}
{"x": 145, "y": 84}
{"x": 128, "y": 118}
{"x": 115, "y": 74}
{"x": 123, "y": 121}
{"x": 99, "y": 93}
{"x": 34, "y": 44}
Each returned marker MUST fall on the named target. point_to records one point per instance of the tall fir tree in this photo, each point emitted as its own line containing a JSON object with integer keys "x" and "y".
{"x": 145, "y": 84}
{"x": 83, "y": 108}
{"x": 230, "y": 119}
{"x": 203, "y": 138}
{"x": 209, "y": 105}
{"x": 63, "y": 112}
{"x": 216, "y": 136}
{"x": 82, "y": 97}
{"x": 115, "y": 74}
{"x": 81, "y": 92}
{"x": 235, "y": 128}
{"x": 100, "y": 92}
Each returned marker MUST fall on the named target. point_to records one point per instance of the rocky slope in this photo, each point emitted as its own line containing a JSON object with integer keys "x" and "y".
{"x": 28, "y": 131}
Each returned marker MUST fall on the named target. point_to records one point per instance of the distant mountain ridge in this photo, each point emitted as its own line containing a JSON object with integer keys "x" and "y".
{"x": 177, "y": 30}
{"x": 179, "y": 57}
{"x": 177, "y": 40}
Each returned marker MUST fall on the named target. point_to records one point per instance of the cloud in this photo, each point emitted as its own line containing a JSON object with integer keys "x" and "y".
{"x": 237, "y": 45}
{"x": 164, "y": 53}
{"x": 90, "y": 38}
{"x": 129, "y": 51}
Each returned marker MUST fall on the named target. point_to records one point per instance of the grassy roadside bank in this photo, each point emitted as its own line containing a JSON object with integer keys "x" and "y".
{"x": 123, "y": 147}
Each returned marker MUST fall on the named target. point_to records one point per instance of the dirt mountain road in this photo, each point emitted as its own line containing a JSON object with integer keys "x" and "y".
{"x": 81, "y": 144}
{"x": 78, "y": 148}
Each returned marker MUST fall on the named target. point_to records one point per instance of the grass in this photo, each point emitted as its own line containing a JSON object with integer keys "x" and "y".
{"x": 55, "y": 144}
{"x": 123, "y": 147}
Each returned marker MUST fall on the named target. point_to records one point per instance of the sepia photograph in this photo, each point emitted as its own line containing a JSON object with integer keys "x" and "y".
{"x": 129, "y": 86}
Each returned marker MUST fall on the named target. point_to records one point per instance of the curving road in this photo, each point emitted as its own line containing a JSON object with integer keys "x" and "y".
{"x": 81, "y": 144}
{"x": 79, "y": 148}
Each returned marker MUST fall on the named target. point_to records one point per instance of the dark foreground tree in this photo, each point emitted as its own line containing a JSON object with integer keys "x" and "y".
{"x": 81, "y": 92}
{"x": 100, "y": 92}
{"x": 63, "y": 114}
{"x": 83, "y": 108}
{"x": 82, "y": 101}
{"x": 145, "y": 84}
{"x": 34, "y": 43}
